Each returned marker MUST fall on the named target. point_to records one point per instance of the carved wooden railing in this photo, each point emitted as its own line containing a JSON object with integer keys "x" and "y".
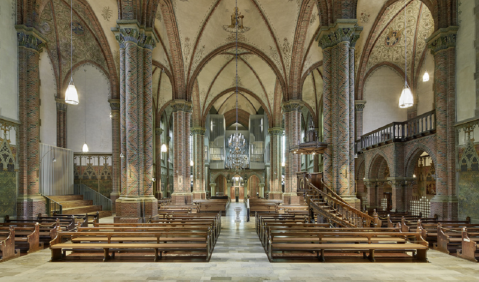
{"x": 336, "y": 209}
{"x": 399, "y": 131}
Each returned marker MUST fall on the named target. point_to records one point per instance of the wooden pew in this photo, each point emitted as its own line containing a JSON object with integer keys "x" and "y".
{"x": 469, "y": 245}
{"x": 67, "y": 223}
{"x": 47, "y": 231}
{"x": 7, "y": 244}
{"x": 213, "y": 205}
{"x": 191, "y": 225}
{"x": 365, "y": 242}
{"x": 262, "y": 205}
{"x": 449, "y": 237}
{"x": 129, "y": 241}
{"x": 264, "y": 232}
{"x": 430, "y": 230}
{"x": 27, "y": 239}
{"x": 277, "y": 231}
{"x": 216, "y": 217}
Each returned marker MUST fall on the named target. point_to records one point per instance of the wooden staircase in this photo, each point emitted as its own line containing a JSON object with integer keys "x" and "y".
{"x": 324, "y": 201}
{"x": 75, "y": 204}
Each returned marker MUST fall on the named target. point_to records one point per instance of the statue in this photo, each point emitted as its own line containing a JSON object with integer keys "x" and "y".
{"x": 233, "y": 19}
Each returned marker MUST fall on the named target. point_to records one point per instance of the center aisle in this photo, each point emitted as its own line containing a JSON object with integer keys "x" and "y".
{"x": 238, "y": 241}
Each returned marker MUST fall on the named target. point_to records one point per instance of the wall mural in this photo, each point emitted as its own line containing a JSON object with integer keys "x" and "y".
{"x": 468, "y": 171}
{"x": 8, "y": 168}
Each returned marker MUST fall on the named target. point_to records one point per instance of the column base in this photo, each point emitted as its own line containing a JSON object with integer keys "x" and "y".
{"x": 352, "y": 201}
{"x": 199, "y": 195}
{"x": 179, "y": 199}
{"x": 30, "y": 206}
{"x": 445, "y": 207}
{"x": 275, "y": 195}
{"x": 134, "y": 210}
{"x": 113, "y": 197}
{"x": 292, "y": 199}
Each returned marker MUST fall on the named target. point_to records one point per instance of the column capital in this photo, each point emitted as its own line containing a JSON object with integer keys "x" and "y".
{"x": 276, "y": 131}
{"x": 180, "y": 105}
{"x": 394, "y": 181}
{"x": 61, "y": 105}
{"x": 114, "y": 104}
{"x": 359, "y": 105}
{"x": 130, "y": 31}
{"x": 198, "y": 130}
{"x": 442, "y": 39}
{"x": 29, "y": 37}
{"x": 158, "y": 131}
{"x": 292, "y": 106}
{"x": 344, "y": 30}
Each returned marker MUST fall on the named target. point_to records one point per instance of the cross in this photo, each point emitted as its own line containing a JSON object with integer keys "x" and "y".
{"x": 468, "y": 130}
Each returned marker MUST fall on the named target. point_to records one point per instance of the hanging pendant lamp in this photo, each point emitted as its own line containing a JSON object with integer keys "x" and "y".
{"x": 407, "y": 99}
{"x": 425, "y": 77}
{"x": 71, "y": 95}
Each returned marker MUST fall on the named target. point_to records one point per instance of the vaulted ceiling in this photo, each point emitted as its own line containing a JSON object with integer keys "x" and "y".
{"x": 277, "y": 47}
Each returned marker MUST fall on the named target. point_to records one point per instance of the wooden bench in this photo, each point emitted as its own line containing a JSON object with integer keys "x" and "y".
{"x": 47, "y": 231}
{"x": 213, "y": 205}
{"x": 469, "y": 244}
{"x": 449, "y": 238}
{"x": 138, "y": 242}
{"x": 7, "y": 244}
{"x": 264, "y": 232}
{"x": 216, "y": 218}
{"x": 66, "y": 223}
{"x": 364, "y": 242}
{"x": 27, "y": 239}
{"x": 278, "y": 231}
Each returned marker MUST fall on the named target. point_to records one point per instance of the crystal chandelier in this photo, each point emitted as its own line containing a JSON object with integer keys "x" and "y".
{"x": 237, "y": 159}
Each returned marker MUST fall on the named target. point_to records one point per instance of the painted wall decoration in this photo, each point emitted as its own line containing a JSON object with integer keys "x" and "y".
{"x": 8, "y": 168}
{"x": 393, "y": 36}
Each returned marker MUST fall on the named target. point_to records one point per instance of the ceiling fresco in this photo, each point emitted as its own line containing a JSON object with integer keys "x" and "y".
{"x": 267, "y": 33}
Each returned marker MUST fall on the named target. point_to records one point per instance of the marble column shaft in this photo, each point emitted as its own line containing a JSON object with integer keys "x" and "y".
{"x": 115, "y": 132}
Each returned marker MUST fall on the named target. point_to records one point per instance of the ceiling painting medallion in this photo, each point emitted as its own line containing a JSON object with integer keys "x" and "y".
{"x": 231, "y": 28}
{"x": 77, "y": 28}
{"x": 393, "y": 37}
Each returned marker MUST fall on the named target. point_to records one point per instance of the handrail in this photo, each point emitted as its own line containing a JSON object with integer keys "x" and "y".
{"x": 330, "y": 191}
{"x": 90, "y": 194}
{"x": 53, "y": 206}
{"x": 399, "y": 131}
{"x": 345, "y": 213}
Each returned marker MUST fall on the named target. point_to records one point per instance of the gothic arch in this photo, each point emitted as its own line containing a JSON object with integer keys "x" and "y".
{"x": 374, "y": 165}
{"x": 413, "y": 156}
{"x": 220, "y": 49}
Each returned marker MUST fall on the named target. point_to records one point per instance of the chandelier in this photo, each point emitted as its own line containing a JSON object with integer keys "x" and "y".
{"x": 237, "y": 159}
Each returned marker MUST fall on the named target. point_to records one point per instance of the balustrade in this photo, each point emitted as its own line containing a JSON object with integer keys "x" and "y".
{"x": 399, "y": 131}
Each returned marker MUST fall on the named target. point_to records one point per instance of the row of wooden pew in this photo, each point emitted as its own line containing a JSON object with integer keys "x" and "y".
{"x": 30, "y": 235}
{"x": 292, "y": 237}
{"x": 176, "y": 237}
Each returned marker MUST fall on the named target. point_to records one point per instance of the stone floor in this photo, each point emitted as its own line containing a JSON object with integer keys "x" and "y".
{"x": 238, "y": 256}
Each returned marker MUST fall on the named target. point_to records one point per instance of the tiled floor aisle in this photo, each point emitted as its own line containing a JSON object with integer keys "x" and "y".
{"x": 238, "y": 256}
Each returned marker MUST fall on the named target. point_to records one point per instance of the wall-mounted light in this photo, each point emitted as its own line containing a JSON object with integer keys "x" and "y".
{"x": 425, "y": 77}
{"x": 164, "y": 149}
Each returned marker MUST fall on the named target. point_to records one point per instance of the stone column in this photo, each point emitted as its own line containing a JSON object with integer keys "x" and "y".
{"x": 359, "y": 106}
{"x": 292, "y": 124}
{"x": 261, "y": 190}
{"x": 136, "y": 123}
{"x": 115, "y": 149}
{"x": 181, "y": 162}
{"x": 401, "y": 194}
{"x": 276, "y": 192}
{"x": 443, "y": 46}
{"x": 199, "y": 189}
{"x": 213, "y": 189}
{"x": 158, "y": 143}
{"x": 338, "y": 43}
{"x": 372, "y": 187}
{"x": 61, "y": 122}
{"x": 229, "y": 183}
{"x": 30, "y": 45}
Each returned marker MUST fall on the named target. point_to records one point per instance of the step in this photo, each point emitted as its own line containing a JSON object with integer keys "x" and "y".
{"x": 79, "y": 203}
{"x": 81, "y": 210}
{"x": 66, "y": 198}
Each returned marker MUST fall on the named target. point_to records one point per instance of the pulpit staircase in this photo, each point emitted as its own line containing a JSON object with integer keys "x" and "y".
{"x": 324, "y": 201}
